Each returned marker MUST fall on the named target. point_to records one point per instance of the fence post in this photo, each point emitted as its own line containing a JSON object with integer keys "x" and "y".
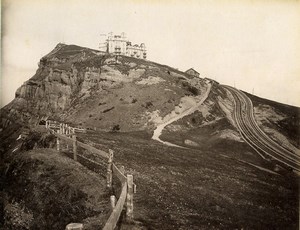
{"x": 74, "y": 147}
{"x": 57, "y": 142}
{"x": 122, "y": 170}
{"x": 113, "y": 201}
{"x": 74, "y": 226}
{"x": 67, "y": 132}
{"x": 129, "y": 199}
{"x": 109, "y": 168}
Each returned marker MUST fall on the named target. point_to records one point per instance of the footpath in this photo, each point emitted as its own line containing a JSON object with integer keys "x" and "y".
{"x": 179, "y": 112}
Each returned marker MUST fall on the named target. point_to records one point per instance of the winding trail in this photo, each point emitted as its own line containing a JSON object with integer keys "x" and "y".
{"x": 158, "y": 131}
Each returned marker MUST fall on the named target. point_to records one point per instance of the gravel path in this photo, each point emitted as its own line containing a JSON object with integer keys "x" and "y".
{"x": 158, "y": 131}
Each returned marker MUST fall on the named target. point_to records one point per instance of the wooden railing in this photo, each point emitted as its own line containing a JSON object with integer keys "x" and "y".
{"x": 67, "y": 134}
{"x": 55, "y": 125}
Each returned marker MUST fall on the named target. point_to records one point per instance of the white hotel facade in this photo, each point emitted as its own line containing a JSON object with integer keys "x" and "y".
{"x": 119, "y": 45}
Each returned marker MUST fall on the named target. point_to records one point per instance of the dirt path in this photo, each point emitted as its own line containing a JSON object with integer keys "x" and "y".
{"x": 174, "y": 115}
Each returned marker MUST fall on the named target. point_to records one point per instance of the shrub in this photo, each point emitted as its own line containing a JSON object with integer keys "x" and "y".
{"x": 148, "y": 104}
{"x": 102, "y": 103}
{"x": 47, "y": 141}
{"x": 31, "y": 140}
{"x": 190, "y": 88}
{"x": 37, "y": 139}
{"x": 16, "y": 217}
{"x": 115, "y": 128}
{"x": 42, "y": 122}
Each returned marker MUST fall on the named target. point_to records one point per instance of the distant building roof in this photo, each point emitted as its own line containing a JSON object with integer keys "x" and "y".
{"x": 192, "y": 70}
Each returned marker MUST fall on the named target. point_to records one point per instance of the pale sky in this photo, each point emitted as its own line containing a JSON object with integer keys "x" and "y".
{"x": 249, "y": 44}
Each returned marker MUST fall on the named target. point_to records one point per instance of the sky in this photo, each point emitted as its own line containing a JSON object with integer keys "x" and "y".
{"x": 252, "y": 45}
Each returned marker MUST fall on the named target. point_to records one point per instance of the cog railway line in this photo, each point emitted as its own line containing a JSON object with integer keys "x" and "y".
{"x": 254, "y": 136}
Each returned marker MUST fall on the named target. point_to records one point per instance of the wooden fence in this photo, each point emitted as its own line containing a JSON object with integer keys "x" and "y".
{"x": 55, "y": 125}
{"x": 67, "y": 133}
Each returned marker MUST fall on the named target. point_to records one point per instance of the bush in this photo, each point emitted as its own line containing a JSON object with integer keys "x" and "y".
{"x": 42, "y": 122}
{"x": 16, "y": 217}
{"x": 31, "y": 140}
{"x": 191, "y": 88}
{"x": 148, "y": 104}
{"x": 115, "y": 128}
{"x": 37, "y": 139}
{"x": 47, "y": 141}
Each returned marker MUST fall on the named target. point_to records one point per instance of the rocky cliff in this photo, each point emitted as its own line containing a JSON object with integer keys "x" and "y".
{"x": 85, "y": 87}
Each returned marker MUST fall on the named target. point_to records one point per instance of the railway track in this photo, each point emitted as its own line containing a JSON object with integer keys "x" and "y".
{"x": 250, "y": 131}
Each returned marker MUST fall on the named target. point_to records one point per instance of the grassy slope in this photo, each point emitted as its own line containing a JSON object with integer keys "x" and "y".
{"x": 185, "y": 188}
{"x": 94, "y": 101}
{"x": 199, "y": 188}
{"x": 126, "y": 103}
{"x": 211, "y": 186}
{"x": 56, "y": 190}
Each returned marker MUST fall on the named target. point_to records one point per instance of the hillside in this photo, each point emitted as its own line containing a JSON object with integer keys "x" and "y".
{"x": 274, "y": 116}
{"x": 84, "y": 87}
{"x": 175, "y": 133}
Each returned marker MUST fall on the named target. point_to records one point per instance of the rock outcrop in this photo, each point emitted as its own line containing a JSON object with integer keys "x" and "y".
{"x": 86, "y": 87}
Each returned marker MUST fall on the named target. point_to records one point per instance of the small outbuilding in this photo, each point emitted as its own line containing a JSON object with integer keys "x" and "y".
{"x": 192, "y": 72}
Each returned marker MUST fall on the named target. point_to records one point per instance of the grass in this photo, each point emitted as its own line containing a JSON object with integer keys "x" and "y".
{"x": 200, "y": 189}
{"x": 194, "y": 188}
{"x": 57, "y": 190}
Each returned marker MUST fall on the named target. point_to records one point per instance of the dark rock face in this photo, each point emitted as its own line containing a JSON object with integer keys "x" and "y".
{"x": 77, "y": 84}
{"x": 80, "y": 86}
{"x": 59, "y": 79}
